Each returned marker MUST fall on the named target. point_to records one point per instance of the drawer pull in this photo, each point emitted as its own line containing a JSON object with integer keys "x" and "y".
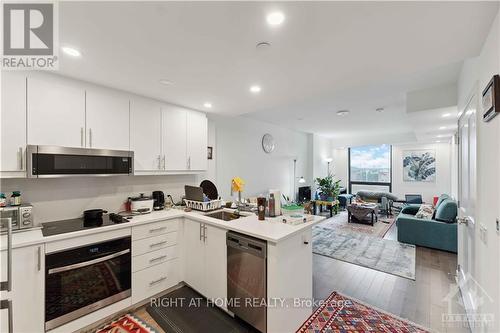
{"x": 157, "y": 229}
{"x": 152, "y": 283}
{"x": 158, "y": 244}
{"x": 152, "y": 260}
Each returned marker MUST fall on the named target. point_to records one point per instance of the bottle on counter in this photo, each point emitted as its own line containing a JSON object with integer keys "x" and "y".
{"x": 3, "y": 200}
{"x": 272, "y": 204}
{"x": 15, "y": 198}
{"x": 261, "y": 206}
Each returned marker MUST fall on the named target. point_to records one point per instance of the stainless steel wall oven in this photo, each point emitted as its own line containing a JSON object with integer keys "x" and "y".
{"x": 81, "y": 280}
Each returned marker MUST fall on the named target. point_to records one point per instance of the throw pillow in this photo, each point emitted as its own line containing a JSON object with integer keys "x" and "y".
{"x": 425, "y": 212}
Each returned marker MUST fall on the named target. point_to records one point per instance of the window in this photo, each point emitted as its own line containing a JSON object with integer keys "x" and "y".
{"x": 370, "y": 166}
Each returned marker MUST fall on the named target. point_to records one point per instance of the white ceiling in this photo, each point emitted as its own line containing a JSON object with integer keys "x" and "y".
{"x": 326, "y": 56}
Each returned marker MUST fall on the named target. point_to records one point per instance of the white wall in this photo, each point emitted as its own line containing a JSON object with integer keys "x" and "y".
{"x": 322, "y": 149}
{"x": 239, "y": 153}
{"x": 475, "y": 75}
{"x": 428, "y": 190}
{"x": 64, "y": 198}
{"x": 341, "y": 165}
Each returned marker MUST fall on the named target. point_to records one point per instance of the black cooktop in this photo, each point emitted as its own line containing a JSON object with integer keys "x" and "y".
{"x": 64, "y": 226}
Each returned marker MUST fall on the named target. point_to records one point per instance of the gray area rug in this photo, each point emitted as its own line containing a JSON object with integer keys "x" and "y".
{"x": 384, "y": 255}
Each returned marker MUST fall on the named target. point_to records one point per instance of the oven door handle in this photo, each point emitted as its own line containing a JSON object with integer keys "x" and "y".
{"x": 87, "y": 263}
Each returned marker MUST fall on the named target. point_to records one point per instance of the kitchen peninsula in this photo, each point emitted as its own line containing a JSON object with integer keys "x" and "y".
{"x": 174, "y": 247}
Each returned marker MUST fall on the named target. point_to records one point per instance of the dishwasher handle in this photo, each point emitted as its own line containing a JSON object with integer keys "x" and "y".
{"x": 247, "y": 244}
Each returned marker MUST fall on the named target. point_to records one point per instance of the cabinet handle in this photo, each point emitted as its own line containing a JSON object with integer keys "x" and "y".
{"x": 82, "y": 143}
{"x": 157, "y": 229}
{"x": 20, "y": 158}
{"x": 39, "y": 262}
{"x": 159, "y": 162}
{"x": 204, "y": 233}
{"x": 152, "y": 283}
{"x": 158, "y": 244}
{"x": 189, "y": 163}
{"x": 7, "y": 285}
{"x": 7, "y": 304}
{"x": 90, "y": 137}
{"x": 163, "y": 162}
{"x": 156, "y": 259}
{"x": 201, "y": 234}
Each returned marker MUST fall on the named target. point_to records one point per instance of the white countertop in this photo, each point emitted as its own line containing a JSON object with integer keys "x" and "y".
{"x": 271, "y": 230}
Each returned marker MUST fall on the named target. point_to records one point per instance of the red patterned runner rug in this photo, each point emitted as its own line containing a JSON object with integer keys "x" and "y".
{"x": 126, "y": 324}
{"x": 339, "y": 313}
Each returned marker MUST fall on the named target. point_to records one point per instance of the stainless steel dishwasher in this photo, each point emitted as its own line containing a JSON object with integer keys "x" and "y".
{"x": 247, "y": 279}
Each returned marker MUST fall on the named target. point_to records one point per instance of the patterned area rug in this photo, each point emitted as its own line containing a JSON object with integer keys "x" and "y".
{"x": 127, "y": 324}
{"x": 343, "y": 314}
{"x": 384, "y": 255}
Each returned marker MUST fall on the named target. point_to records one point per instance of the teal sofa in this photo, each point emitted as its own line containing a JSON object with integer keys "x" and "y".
{"x": 440, "y": 232}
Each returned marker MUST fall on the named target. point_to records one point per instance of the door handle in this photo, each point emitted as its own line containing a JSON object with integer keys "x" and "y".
{"x": 201, "y": 235}
{"x": 7, "y": 285}
{"x": 159, "y": 162}
{"x": 163, "y": 162}
{"x": 39, "y": 261}
{"x": 87, "y": 263}
{"x": 20, "y": 158}
{"x": 7, "y": 304}
{"x": 90, "y": 137}
{"x": 82, "y": 143}
{"x": 204, "y": 233}
{"x": 463, "y": 220}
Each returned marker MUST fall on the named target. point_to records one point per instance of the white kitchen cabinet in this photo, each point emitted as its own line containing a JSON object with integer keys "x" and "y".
{"x": 205, "y": 251}
{"x": 56, "y": 111}
{"x": 174, "y": 134}
{"x": 197, "y": 137}
{"x": 13, "y": 122}
{"x": 27, "y": 295}
{"x": 107, "y": 119}
{"x": 145, "y": 134}
{"x": 194, "y": 250}
{"x": 215, "y": 263}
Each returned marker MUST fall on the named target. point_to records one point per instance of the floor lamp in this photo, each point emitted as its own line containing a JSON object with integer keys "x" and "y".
{"x": 301, "y": 179}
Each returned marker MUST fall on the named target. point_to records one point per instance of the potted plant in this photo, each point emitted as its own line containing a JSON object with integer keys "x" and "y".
{"x": 329, "y": 188}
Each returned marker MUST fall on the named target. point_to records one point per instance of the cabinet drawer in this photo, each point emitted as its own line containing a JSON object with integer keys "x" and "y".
{"x": 153, "y": 243}
{"x": 153, "y": 280}
{"x": 153, "y": 229}
{"x": 153, "y": 258}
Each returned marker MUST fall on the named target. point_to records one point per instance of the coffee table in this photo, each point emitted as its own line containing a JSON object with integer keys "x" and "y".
{"x": 362, "y": 213}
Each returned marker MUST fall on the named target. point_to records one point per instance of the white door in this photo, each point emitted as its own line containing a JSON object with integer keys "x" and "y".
{"x": 145, "y": 134}
{"x": 27, "y": 295}
{"x": 107, "y": 119}
{"x": 13, "y": 122}
{"x": 194, "y": 249}
{"x": 174, "y": 138}
{"x": 197, "y": 137}
{"x": 467, "y": 198}
{"x": 56, "y": 111}
{"x": 215, "y": 263}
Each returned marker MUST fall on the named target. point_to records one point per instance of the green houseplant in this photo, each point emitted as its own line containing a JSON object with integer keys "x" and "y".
{"x": 330, "y": 188}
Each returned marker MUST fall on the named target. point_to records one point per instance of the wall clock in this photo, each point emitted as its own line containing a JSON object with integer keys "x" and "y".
{"x": 268, "y": 143}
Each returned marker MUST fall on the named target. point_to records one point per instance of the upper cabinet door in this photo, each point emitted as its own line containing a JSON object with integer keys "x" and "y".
{"x": 197, "y": 137}
{"x": 13, "y": 122}
{"x": 174, "y": 138}
{"x": 145, "y": 134}
{"x": 107, "y": 119}
{"x": 56, "y": 111}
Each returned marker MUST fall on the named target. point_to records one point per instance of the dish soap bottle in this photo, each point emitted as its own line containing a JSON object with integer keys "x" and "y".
{"x": 272, "y": 206}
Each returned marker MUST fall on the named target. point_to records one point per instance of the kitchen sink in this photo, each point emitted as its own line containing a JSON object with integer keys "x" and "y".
{"x": 225, "y": 215}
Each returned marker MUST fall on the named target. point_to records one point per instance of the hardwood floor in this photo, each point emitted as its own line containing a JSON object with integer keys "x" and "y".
{"x": 421, "y": 301}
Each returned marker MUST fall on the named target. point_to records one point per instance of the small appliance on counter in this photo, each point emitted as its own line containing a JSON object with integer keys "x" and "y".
{"x": 158, "y": 200}
{"x": 19, "y": 217}
{"x": 141, "y": 204}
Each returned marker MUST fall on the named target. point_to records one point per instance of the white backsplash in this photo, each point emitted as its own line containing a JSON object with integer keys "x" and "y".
{"x": 64, "y": 198}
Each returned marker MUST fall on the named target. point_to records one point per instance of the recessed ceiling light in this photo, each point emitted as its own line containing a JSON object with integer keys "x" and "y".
{"x": 438, "y": 141}
{"x": 166, "y": 82}
{"x": 275, "y": 18}
{"x": 442, "y": 127}
{"x": 446, "y": 115}
{"x": 255, "y": 89}
{"x": 263, "y": 46}
{"x": 208, "y": 105}
{"x": 342, "y": 113}
{"x": 441, "y": 136}
{"x": 71, "y": 51}
{"x": 379, "y": 109}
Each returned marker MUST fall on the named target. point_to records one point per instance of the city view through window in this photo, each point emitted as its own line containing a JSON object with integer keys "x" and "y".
{"x": 371, "y": 164}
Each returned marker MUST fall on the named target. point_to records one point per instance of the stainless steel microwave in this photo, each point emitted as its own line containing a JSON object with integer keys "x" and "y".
{"x": 55, "y": 161}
